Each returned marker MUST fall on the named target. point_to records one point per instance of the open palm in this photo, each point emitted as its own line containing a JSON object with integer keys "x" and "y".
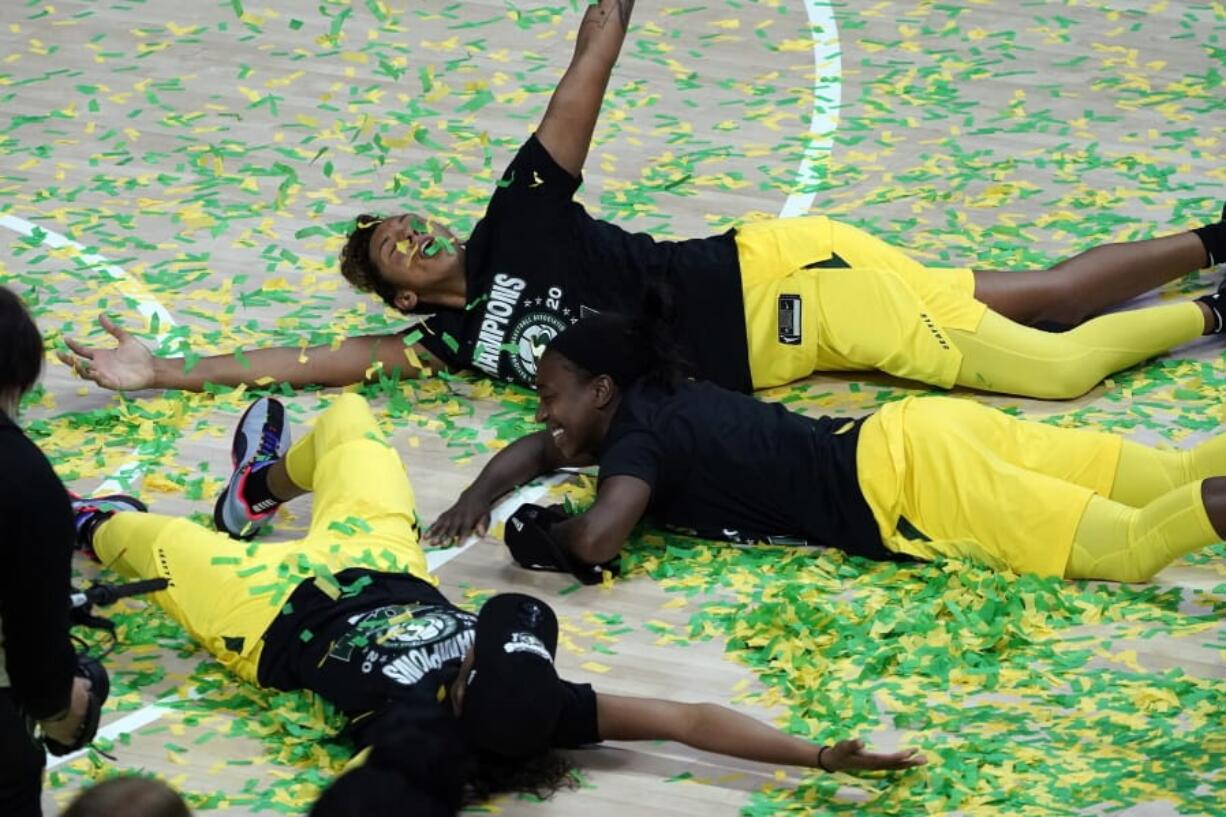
{"x": 127, "y": 367}
{"x": 848, "y": 755}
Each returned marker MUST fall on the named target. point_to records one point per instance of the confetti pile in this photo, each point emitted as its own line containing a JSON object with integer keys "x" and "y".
{"x": 1026, "y": 694}
{"x": 209, "y": 158}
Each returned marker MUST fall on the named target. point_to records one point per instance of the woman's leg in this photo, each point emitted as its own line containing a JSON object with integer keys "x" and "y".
{"x": 1004, "y": 356}
{"x": 1146, "y": 473}
{"x": 224, "y": 592}
{"x": 1123, "y": 544}
{"x": 1092, "y": 281}
{"x": 1032, "y": 497}
{"x": 968, "y": 480}
{"x": 360, "y": 486}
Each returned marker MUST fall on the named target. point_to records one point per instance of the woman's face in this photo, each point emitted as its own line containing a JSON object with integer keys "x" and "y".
{"x": 570, "y": 406}
{"x": 414, "y": 254}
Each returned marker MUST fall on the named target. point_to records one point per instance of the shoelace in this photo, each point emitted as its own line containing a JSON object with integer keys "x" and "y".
{"x": 270, "y": 437}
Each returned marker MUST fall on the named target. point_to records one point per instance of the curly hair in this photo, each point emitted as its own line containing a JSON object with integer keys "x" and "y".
{"x": 487, "y": 774}
{"x": 131, "y": 795}
{"x": 427, "y": 762}
{"x": 356, "y": 265}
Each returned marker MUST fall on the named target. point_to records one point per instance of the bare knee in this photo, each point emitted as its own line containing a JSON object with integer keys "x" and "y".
{"x": 1063, "y": 301}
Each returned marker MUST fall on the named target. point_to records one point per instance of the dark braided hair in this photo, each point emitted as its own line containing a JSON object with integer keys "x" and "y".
{"x": 627, "y": 348}
{"x": 356, "y": 265}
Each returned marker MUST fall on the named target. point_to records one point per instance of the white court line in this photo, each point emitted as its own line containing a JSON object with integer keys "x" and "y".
{"x": 500, "y": 513}
{"x": 146, "y": 304}
{"x": 827, "y": 96}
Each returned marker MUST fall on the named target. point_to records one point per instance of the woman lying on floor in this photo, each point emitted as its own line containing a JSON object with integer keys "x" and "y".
{"x": 921, "y": 478}
{"x": 358, "y": 620}
{"x": 758, "y": 306}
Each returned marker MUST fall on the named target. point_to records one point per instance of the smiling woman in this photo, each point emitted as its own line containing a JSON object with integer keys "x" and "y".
{"x": 923, "y": 478}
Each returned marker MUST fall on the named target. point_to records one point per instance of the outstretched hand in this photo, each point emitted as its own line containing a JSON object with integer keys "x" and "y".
{"x": 127, "y": 367}
{"x": 470, "y": 514}
{"x": 849, "y": 755}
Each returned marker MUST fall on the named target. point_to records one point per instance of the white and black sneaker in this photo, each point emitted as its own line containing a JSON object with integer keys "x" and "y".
{"x": 262, "y": 437}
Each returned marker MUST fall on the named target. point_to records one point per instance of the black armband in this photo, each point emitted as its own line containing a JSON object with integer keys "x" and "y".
{"x": 534, "y": 547}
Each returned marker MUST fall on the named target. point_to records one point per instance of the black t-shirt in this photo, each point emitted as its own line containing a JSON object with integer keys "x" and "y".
{"x": 726, "y": 466}
{"x": 36, "y": 654}
{"x": 538, "y": 262}
{"x": 390, "y": 642}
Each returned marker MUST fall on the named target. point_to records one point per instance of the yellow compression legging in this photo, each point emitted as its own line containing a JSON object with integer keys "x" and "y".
{"x": 226, "y": 593}
{"x": 949, "y": 477}
{"x": 820, "y": 295}
{"x": 1007, "y": 357}
{"x": 1156, "y": 513}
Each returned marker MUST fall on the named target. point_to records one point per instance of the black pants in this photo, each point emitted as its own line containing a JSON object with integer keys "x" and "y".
{"x": 21, "y": 762}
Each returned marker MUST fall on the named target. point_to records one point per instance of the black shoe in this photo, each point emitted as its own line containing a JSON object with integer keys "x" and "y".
{"x": 91, "y": 511}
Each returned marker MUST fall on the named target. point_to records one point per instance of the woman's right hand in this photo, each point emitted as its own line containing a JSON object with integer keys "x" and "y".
{"x": 127, "y": 367}
{"x": 470, "y": 513}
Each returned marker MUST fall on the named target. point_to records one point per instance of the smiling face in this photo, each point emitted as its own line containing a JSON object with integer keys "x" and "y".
{"x": 574, "y": 406}
{"x": 415, "y": 255}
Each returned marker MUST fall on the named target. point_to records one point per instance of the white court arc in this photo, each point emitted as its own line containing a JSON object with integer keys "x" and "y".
{"x": 824, "y": 119}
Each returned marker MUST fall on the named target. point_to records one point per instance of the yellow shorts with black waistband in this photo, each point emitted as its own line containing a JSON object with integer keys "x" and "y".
{"x": 824, "y": 296}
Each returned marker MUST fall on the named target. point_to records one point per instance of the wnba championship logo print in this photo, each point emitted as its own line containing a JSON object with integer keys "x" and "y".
{"x": 529, "y": 337}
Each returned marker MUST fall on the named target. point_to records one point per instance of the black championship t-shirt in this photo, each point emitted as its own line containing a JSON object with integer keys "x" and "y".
{"x": 726, "y": 466}
{"x": 537, "y": 263}
{"x": 390, "y": 643}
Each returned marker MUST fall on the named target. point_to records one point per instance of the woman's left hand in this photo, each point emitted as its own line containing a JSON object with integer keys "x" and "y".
{"x": 847, "y": 755}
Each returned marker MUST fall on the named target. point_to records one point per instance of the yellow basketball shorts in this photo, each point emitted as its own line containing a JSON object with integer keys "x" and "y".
{"x": 951, "y": 477}
{"x": 824, "y": 296}
{"x": 226, "y": 593}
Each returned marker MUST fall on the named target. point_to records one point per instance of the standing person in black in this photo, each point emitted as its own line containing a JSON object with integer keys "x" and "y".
{"x": 37, "y": 662}
{"x": 764, "y": 304}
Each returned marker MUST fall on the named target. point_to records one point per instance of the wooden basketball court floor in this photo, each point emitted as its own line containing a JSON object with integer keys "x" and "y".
{"x": 190, "y": 168}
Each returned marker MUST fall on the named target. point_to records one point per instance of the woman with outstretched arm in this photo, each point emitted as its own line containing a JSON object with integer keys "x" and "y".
{"x": 758, "y": 306}
{"x": 359, "y": 620}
